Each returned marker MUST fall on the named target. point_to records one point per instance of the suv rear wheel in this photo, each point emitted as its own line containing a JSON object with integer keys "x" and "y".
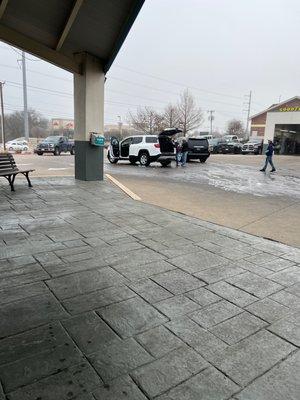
{"x": 144, "y": 158}
{"x": 72, "y": 152}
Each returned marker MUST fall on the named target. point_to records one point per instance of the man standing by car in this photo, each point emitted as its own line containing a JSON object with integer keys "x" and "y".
{"x": 184, "y": 152}
{"x": 269, "y": 156}
{"x": 177, "y": 148}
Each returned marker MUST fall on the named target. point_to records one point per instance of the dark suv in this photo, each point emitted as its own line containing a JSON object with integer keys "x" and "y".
{"x": 198, "y": 149}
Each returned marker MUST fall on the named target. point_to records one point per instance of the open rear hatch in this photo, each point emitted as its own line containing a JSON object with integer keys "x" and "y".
{"x": 165, "y": 140}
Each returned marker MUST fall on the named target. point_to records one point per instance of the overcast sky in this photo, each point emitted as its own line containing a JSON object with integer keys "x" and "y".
{"x": 220, "y": 49}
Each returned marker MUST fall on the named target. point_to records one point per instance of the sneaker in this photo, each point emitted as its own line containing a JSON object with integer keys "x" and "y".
{"x": 262, "y": 170}
{"x": 273, "y": 170}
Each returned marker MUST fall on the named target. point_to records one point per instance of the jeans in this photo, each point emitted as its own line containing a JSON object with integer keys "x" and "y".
{"x": 269, "y": 160}
{"x": 178, "y": 157}
{"x": 184, "y": 157}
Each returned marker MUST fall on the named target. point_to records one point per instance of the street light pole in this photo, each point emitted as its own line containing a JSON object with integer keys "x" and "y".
{"x": 2, "y": 116}
{"x": 26, "y": 126}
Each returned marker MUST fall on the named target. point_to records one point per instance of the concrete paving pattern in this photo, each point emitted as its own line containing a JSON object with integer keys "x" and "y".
{"x": 228, "y": 190}
{"x": 107, "y": 298}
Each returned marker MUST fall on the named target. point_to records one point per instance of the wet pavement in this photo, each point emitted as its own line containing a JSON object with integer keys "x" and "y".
{"x": 106, "y": 298}
{"x": 228, "y": 177}
{"x": 235, "y": 173}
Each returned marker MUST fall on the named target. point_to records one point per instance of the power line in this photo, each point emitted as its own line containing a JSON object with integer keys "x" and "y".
{"x": 177, "y": 83}
{"x": 111, "y": 90}
{"x": 50, "y": 91}
{"x": 135, "y": 83}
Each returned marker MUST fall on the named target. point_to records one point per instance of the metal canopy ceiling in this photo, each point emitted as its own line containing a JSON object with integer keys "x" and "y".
{"x": 56, "y": 30}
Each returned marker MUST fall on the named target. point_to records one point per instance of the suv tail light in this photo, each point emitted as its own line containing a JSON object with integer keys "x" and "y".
{"x": 157, "y": 145}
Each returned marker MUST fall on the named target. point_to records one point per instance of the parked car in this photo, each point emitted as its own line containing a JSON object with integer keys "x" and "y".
{"x": 253, "y": 146}
{"x": 55, "y": 145}
{"x": 208, "y": 137}
{"x": 144, "y": 148}
{"x": 231, "y": 138}
{"x": 198, "y": 149}
{"x": 214, "y": 145}
{"x": 17, "y": 145}
{"x": 229, "y": 147}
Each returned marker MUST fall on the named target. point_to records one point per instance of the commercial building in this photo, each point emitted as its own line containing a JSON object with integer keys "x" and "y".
{"x": 280, "y": 123}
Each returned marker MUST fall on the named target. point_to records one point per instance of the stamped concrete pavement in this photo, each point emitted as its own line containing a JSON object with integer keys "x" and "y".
{"x": 105, "y": 298}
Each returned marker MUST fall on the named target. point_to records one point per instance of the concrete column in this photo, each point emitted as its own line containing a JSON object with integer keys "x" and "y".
{"x": 89, "y": 117}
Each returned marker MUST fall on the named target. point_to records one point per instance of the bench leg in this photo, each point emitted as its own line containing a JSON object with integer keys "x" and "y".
{"x": 11, "y": 179}
{"x": 26, "y": 174}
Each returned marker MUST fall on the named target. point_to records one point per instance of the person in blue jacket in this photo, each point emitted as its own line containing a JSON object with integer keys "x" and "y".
{"x": 269, "y": 156}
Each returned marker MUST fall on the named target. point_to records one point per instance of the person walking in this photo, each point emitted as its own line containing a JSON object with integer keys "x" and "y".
{"x": 184, "y": 152}
{"x": 269, "y": 156}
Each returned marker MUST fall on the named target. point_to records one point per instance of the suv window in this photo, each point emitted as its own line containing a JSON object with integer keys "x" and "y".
{"x": 198, "y": 142}
{"x": 151, "y": 139}
{"x": 137, "y": 139}
{"x": 127, "y": 142}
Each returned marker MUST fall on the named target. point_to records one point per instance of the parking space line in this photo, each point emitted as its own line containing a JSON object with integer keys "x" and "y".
{"x": 57, "y": 169}
{"x": 124, "y": 188}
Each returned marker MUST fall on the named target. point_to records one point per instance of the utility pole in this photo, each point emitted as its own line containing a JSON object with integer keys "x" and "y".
{"x": 2, "y": 116}
{"x": 248, "y": 105}
{"x": 25, "y": 111}
{"x": 120, "y": 125}
{"x": 211, "y": 118}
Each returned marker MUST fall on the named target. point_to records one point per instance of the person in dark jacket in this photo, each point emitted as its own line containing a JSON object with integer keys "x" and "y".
{"x": 269, "y": 156}
{"x": 184, "y": 152}
{"x": 177, "y": 146}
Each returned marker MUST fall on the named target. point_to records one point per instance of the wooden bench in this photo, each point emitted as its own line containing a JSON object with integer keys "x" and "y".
{"x": 9, "y": 170}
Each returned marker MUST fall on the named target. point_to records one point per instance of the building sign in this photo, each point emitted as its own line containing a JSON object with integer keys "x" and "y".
{"x": 59, "y": 123}
{"x": 288, "y": 109}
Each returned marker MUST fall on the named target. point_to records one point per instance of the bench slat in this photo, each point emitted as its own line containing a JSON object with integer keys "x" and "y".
{"x": 7, "y": 166}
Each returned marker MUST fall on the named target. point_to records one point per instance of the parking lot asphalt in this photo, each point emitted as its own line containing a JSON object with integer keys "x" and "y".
{"x": 228, "y": 190}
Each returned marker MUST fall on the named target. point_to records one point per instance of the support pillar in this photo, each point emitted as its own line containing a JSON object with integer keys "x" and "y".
{"x": 89, "y": 117}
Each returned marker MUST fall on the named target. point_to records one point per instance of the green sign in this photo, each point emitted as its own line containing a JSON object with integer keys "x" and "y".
{"x": 97, "y": 140}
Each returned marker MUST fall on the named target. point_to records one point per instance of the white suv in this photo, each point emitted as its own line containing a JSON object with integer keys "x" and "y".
{"x": 144, "y": 148}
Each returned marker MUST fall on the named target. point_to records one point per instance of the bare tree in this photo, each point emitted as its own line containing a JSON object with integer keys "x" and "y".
{"x": 235, "y": 127}
{"x": 170, "y": 116}
{"x": 14, "y": 124}
{"x": 189, "y": 114}
{"x": 146, "y": 120}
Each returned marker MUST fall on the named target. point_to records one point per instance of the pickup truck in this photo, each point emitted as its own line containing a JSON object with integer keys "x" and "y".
{"x": 55, "y": 145}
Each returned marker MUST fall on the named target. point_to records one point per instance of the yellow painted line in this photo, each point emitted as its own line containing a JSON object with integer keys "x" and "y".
{"x": 124, "y": 188}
